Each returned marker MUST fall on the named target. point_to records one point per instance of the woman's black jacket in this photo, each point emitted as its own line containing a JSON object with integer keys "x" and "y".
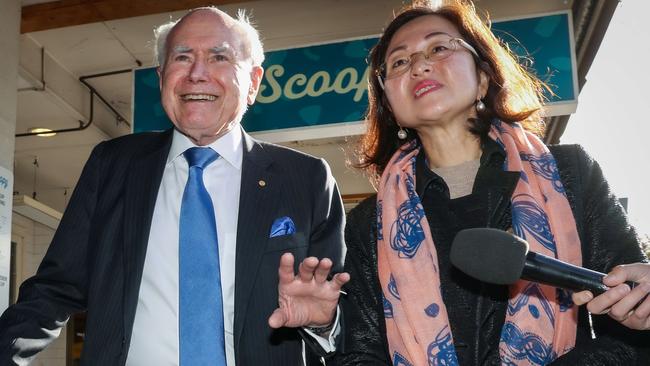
{"x": 477, "y": 310}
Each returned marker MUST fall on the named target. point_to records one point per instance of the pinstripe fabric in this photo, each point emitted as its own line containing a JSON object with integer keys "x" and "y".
{"x": 97, "y": 256}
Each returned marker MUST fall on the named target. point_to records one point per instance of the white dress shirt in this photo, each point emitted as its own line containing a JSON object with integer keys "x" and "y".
{"x": 154, "y": 340}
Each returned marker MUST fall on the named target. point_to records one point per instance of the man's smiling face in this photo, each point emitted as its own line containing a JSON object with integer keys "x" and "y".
{"x": 207, "y": 80}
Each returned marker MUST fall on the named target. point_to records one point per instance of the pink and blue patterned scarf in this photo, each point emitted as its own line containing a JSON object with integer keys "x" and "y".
{"x": 540, "y": 323}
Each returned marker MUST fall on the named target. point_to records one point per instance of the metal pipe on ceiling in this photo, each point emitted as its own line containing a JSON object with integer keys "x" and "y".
{"x": 82, "y": 125}
{"x": 82, "y": 79}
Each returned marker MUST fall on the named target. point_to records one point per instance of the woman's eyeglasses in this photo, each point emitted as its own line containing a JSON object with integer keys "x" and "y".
{"x": 439, "y": 49}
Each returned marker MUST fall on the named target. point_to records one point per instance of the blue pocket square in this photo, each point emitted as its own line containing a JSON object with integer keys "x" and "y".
{"x": 282, "y": 226}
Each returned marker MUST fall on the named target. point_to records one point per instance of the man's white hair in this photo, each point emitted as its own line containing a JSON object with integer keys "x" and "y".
{"x": 252, "y": 44}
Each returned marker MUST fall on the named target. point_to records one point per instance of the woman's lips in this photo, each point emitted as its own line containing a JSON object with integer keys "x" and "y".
{"x": 425, "y": 87}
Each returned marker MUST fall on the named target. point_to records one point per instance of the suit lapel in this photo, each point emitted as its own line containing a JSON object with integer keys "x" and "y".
{"x": 258, "y": 204}
{"x": 141, "y": 190}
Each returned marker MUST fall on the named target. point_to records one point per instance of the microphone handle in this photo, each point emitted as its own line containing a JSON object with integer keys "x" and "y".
{"x": 553, "y": 272}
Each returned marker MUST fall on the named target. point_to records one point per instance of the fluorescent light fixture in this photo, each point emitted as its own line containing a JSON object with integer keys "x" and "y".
{"x": 37, "y": 211}
{"x": 42, "y": 131}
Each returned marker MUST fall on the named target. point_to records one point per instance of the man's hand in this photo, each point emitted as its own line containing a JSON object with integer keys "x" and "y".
{"x": 306, "y": 298}
{"x": 619, "y": 302}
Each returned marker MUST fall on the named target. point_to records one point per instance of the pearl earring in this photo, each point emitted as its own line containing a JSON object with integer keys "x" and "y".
{"x": 401, "y": 134}
{"x": 480, "y": 106}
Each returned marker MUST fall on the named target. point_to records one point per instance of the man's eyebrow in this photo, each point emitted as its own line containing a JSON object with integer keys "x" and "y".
{"x": 220, "y": 49}
{"x": 226, "y": 49}
{"x": 182, "y": 49}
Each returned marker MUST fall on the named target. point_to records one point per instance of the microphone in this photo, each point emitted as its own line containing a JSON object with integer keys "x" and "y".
{"x": 498, "y": 257}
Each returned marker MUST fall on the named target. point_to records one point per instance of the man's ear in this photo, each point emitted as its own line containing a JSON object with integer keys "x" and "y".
{"x": 257, "y": 72}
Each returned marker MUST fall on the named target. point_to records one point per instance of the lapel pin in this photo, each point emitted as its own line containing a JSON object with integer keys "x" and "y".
{"x": 261, "y": 183}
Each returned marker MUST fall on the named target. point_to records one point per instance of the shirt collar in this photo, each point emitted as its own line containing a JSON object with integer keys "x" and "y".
{"x": 228, "y": 146}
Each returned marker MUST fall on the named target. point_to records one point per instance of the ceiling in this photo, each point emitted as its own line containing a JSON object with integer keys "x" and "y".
{"x": 52, "y": 61}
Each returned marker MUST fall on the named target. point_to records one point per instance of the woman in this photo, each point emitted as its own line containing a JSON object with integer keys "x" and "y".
{"x": 451, "y": 132}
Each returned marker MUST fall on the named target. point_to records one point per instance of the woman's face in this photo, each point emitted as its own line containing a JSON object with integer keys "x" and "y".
{"x": 431, "y": 92}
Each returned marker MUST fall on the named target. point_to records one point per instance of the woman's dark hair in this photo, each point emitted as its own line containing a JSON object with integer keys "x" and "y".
{"x": 513, "y": 95}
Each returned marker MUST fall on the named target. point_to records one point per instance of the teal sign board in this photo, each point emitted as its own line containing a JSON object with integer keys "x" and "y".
{"x": 546, "y": 41}
{"x": 326, "y": 84}
{"x": 148, "y": 113}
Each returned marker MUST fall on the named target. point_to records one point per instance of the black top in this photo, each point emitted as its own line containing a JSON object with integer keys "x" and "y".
{"x": 446, "y": 217}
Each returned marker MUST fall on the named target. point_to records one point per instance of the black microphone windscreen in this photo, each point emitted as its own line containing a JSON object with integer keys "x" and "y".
{"x": 490, "y": 255}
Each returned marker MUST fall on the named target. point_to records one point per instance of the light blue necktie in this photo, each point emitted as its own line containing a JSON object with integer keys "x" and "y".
{"x": 201, "y": 309}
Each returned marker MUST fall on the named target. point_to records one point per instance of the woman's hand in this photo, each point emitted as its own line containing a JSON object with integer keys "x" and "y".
{"x": 631, "y": 307}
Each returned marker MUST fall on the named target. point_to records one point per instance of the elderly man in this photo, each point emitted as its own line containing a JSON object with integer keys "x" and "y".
{"x": 172, "y": 241}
